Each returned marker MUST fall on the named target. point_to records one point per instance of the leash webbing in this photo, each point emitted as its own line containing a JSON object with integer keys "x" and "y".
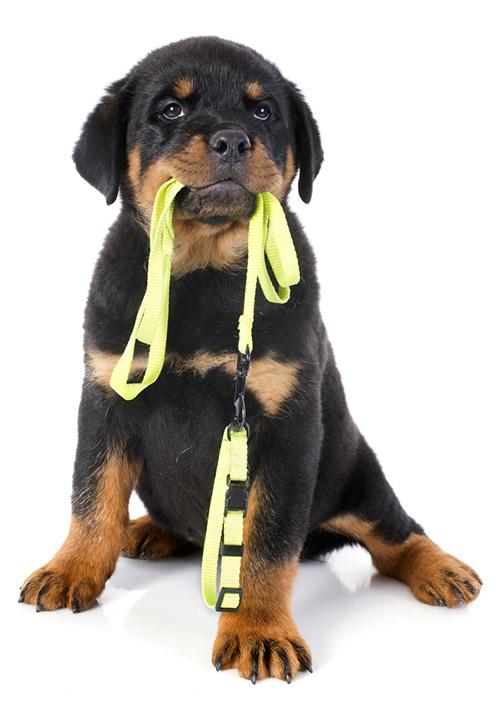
{"x": 151, "y": 323}
{"x": 268, "y": 238}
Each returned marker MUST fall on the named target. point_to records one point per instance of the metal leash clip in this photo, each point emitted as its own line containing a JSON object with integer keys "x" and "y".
{"x": 240, "y": 411}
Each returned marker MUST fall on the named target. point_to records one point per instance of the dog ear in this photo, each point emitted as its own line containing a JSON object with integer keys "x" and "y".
{"x": 309, "y": 152}
{"x": 100, "y": 153}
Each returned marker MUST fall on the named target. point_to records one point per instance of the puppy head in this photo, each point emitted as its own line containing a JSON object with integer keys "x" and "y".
{"x": 211, "y": 113}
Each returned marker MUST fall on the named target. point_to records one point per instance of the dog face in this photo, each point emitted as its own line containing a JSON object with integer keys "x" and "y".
{"x": 211, "y": 113}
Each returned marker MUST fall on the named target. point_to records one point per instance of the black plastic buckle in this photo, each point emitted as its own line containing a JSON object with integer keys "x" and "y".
{"x": 236, "y": 496}
{"x": 228, "y": 591}
{"x": 228, "y": 549}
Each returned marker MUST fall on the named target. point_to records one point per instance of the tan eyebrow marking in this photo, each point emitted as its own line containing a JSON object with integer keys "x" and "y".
{"x": 183, "y": 88}
{"x": 254, "y": 90}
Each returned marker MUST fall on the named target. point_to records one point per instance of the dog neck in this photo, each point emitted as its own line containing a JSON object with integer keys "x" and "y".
{"x": 200, "y": 245}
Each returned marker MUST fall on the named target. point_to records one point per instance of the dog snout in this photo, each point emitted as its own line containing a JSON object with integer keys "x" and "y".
{"x": 230, "y": 145}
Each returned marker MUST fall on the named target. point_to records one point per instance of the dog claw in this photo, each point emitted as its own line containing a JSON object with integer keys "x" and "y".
{"x": 253, "y": 678}
{"x": 286, "y": 666}
{"x": 75, "y": 606}
{"x": 458, "y": 594}
{"x": 218, "y": 664}
{"x": 470, "y": 588}
{"x": 39, "y": 607}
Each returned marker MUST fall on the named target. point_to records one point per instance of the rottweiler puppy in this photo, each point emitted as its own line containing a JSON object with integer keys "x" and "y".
{"x": 227, "y": 124}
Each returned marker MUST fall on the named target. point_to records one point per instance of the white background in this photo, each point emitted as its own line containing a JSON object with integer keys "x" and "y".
{"x": 405, "y": 223}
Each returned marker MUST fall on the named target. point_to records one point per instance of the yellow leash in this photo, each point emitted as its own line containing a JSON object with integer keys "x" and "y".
{"x": 151, "y": 323}
{"x": 268, "y": 239}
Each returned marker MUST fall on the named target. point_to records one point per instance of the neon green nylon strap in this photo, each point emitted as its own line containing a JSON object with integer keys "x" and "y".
{"x": 268, "y": 239}
{"x": 151, "y": 323}
{"x": 225, "y": 527}
{"x": 268, "y": 236}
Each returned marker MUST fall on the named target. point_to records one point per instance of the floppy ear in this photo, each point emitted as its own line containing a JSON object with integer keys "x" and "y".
{"x": 309, "y": 152}
{"x": 100, "y": 153}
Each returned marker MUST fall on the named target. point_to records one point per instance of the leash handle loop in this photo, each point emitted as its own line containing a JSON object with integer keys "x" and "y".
{"x": 269, "y": 242}
{"x": 151, "y": 323}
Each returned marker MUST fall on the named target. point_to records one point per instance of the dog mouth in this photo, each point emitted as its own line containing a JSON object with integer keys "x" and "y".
{"x": 218, "y": 202}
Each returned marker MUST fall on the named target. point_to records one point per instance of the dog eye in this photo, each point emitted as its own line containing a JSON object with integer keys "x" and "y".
{"x": 172, "y": 111}
{"x": 262, "y": 112}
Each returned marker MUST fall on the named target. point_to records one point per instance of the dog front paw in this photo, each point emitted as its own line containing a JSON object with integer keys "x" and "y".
{"x": 260, "y": 650}
{"x": 62, "y": 584}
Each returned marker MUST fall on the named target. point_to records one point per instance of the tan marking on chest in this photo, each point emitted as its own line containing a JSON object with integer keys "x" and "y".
{"x": 273, "y": 381}
{"x": 270, "y": 379}
{"x": 198, "y": 245}
{"x": 100, "y": 365}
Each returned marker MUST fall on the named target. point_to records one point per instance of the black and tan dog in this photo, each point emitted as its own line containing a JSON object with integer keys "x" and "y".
{"x": 225, "y": 122}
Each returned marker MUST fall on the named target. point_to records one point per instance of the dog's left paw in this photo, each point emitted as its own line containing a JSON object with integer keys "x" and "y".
{"x": 446, "y": 581}
{"x": 260, "y": 650}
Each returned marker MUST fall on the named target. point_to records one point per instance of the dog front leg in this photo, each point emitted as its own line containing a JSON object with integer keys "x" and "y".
{"x": 261, "y": 638}
{"x": 104, "y": 476}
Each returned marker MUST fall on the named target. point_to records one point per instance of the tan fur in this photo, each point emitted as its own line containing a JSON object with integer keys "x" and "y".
{"x": 76, "y": 575}
{"x": 198, "y": 246}
{"x": 273, "y": 381}
{"x": 183, "y": 88}
{"x": 289, "y": 173}
{"x": 434, "y": 577}
{"x": 262, "y": 173}
{"x": 192, "y": 165}
{"x": 100, "y": 365}
{"x": 146, "y": 539}
{"x": 254, "y": 90}
{"x": 264, "y": 617}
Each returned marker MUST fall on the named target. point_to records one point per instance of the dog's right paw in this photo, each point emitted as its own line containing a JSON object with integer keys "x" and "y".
{"x": 62, "y": 584}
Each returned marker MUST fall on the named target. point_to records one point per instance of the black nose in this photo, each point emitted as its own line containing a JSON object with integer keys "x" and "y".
{"x": 230, "y": 145}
